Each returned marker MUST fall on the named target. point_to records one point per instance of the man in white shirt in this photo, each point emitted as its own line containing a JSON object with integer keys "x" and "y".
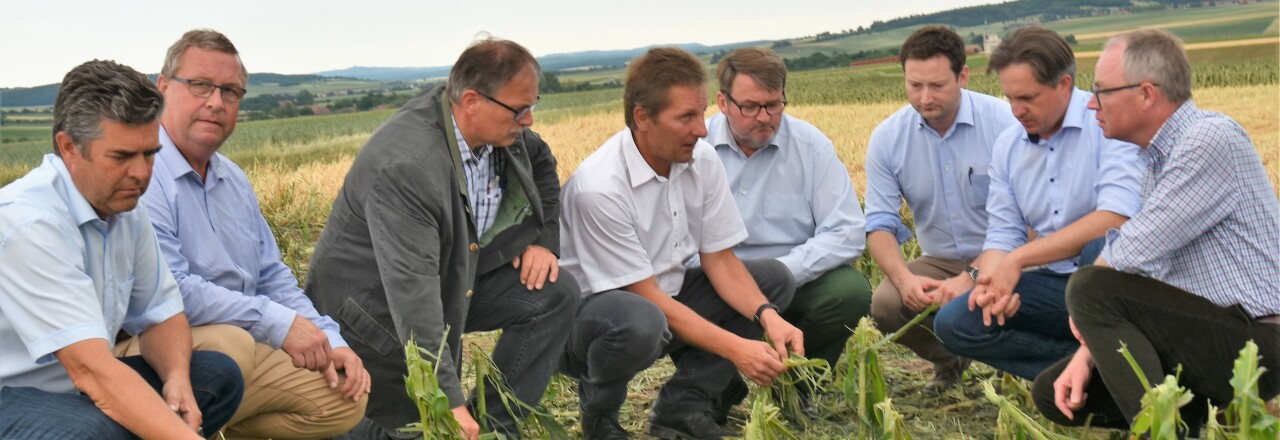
{"x": 636, "y": 211}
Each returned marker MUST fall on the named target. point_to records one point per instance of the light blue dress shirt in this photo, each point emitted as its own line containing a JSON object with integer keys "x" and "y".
{"x": 67, "y": 276}
{"x": 1049, "y": 184}
{"x": 944, "y": 179}
{"x": 795, "y": 197}
{"x": 222, "y": 252}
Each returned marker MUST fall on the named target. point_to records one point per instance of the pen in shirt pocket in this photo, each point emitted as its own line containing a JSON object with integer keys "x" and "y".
{"x": 971, "y": 175}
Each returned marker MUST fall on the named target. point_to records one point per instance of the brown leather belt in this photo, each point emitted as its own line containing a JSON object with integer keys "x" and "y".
{"x": 1269, "y": 319}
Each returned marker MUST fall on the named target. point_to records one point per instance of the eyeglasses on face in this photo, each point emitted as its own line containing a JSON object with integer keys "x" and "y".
{"x": 519, "y": 112}
{"x": 1097, "y": 93}
{"x": 203, "y": 89}
{"x": 751, "y": 110}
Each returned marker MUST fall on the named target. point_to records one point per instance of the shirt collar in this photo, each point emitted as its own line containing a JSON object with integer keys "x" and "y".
{"x": 1167, "y": 136}
{"x": 174, "y": 162}
{"x": 638, "y": 170}
{"x": 81, "y": 211}
{"x": 467, "y": 152}
{"x": 964, "y": 114}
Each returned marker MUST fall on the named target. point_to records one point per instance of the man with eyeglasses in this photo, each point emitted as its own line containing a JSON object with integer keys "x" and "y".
{"x": 796, "y": 199}
{"x": 933, "y": 154}
{"x": 301, "y": 378}
{"x": 1057, "y": 185}
{"x": 449, "y": 222}
{"x": 1190, "y": 278}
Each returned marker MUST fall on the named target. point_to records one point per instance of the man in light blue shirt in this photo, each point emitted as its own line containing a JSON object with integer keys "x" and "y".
{"x": 934, "y": 154}
{"x": 796, "y": 199}
{"x": 78, "y": 265}
{"x": 227, "y": 265}
{"x": 1056, "y": 185}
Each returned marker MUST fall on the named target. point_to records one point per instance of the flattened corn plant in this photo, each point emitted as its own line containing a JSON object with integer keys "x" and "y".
{"x": 1247, "y": 413}
{"x": 1160, "y": 417}
{"x": 423, "y": 386}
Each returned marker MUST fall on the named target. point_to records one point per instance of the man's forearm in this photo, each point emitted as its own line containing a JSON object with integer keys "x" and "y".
{"x": 167, "y": 348}
{"x": 683, "y": 321}
{"x": 887, "y": 254}
{"x": 120, "y": 392}
{"x": 1068, "y": 241}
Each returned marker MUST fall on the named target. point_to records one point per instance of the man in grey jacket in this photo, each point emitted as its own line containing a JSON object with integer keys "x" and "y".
{"x": 449, "y": 222}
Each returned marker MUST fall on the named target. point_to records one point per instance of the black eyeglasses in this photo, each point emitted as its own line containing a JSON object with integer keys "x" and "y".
{"x": 519, "y": 112}
{"x": 1097, "y": 93}
{"x": 204, "y": 88}
{"x": 750, "y": 110}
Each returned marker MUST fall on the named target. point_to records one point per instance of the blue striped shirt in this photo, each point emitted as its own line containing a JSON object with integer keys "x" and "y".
{"x": 483, "y": 170}
{"x": 1210, "y": 224}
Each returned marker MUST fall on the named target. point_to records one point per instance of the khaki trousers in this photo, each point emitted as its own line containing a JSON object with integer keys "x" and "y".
{"x": 891, "y": 314}
{"x": 280, "y": 400}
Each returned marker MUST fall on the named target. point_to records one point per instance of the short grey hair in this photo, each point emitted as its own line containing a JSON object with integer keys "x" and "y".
{"x": 1156, "y": 56}
{"x": 488, "y": 65}
{"x": 103, "y": 90}
{"x": 207, "y": 39}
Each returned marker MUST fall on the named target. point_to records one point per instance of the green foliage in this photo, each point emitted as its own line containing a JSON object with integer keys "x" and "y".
{"x": 895, "y": 426}
{"x": 436, "y": 419}
{"x": 1012, "y": 423}
{"x": 863, "y": 382}
{"x": 1247, "y": 413}
{"x": 811, "y": 374}
{"x": 765, "y": 420}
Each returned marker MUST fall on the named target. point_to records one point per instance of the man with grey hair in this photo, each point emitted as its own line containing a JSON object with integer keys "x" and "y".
{"x": 1057, "y": 177}
{"x": 79, "y": 265}
{"x": 449, "y": 222}
{"x": 1186, "y": 282}
{"x": 301, "y": 379}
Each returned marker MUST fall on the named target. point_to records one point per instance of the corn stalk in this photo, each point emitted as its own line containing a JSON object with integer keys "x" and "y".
{"x": 1012, "y": 423}
{"x": 436, "y": 418}
{"x": 895, "y": 426}
{"x": 1160, "y": 417}
{"x": 765, "y": 420}
{"x": 1247, "y": 412}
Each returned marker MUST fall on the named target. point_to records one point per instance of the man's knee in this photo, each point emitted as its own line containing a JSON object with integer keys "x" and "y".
{"x": 218, "y": 386}
{"x": 562, "y": 298}
{"x": 230, "y": 340}
{"x": 621, "y": 329}
{"x": 774, "y": 279}
{"x": 1087, "y": 288}
{"x": 956, "y": 326}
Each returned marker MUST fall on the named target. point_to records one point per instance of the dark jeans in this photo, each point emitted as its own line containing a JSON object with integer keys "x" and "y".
{"x": 29, "y": 413}
{"x": 618, "y": 334}
{"x": 534, "y": 326}
{"x": 1163, "y": 327}
{"x": 827, "y": 310}
{"x": 1036, "y": 337}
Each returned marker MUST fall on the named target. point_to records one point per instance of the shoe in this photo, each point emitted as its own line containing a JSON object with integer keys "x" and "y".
{"x": 602, "y": 427}
{"x": 947, "y": 376}
{"x": 686, "y": 426}
{"x": 732, "y": 395}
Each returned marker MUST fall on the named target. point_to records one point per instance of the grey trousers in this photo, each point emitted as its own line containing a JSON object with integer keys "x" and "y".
{"x": 618, "y": 334}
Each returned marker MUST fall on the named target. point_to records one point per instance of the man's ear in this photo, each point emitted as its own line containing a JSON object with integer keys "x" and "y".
{"x": 643, "y": 121}
{"x": 66, "y": 147}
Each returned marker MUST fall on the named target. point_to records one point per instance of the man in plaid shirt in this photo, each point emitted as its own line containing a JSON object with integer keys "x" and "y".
{"x": 1190, "y": 278}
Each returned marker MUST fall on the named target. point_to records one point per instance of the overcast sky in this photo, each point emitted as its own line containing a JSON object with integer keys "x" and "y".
{"x": 41, "y": 40}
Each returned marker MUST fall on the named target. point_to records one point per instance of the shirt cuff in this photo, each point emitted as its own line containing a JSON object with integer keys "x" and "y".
{"x": 797, "y": 270}
{"x": 43, "y": 349}
{"x": 335, "y": 339}
{"x": 890, "y": 223}
{"x": 274, "y": 325}
{"x": 1107, "y": 253}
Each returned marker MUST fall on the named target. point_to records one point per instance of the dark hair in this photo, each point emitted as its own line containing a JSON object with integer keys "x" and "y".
{"x": 99, "y": 90}
{"x": 487, "y": 65}
{"x": 207, "y": 39}
{"x": 1049, "y": 56}
{"x": 762, "y": 65}
{"x": 930, "y": 41}
{"x": 651, "y": 75}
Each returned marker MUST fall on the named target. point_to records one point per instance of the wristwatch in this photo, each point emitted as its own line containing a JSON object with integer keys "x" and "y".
{"x": 761, "y": 310}
{"x": 972, "y": 271}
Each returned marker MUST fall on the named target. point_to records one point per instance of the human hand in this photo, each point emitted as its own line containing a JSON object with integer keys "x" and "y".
{"x": 1068, "y": 389}
{"x": 470, "y": 429}
{"x": 358, "y": 381}
{"x": 951, "y": 288}
{"x": 307, "y": 345}
{"x": 757, "y": 360}
{"x": 786, "y": 338}
{"x": 916, "y": 291}
{"x": 537, "y": 266}
{"x": 182, "y": 401}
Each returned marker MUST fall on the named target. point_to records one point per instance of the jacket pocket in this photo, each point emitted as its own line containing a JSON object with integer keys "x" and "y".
{"x": 364, "y": 328}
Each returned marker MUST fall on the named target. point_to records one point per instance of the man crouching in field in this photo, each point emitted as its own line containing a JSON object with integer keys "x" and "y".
{"x": 1190, "y": 278}
{"x": 645, "y": 203}
{"x": 78, "y": 265}
{"x": 224, "y": 257}
{"x": 449, "y": 221}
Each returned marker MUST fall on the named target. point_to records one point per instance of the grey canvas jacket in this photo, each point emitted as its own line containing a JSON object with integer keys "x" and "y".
{"x": 399, "y": 254}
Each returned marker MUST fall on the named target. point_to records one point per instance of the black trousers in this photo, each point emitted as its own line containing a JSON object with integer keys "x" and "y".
{"x": 1163, "y": 327}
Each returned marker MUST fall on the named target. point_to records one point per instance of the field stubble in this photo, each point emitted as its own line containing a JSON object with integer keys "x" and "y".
{"x": 297, "y": 186}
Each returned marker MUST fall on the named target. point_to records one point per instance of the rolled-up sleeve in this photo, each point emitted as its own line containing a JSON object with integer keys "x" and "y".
{"x": 884, "y": 195}
{"x": 1120, "y": 178}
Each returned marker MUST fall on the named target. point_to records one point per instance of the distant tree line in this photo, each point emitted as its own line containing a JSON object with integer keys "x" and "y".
{"x": 820, "y": 60}
{"x": 1049, "y": 10}
{"x": 551, "y": 83}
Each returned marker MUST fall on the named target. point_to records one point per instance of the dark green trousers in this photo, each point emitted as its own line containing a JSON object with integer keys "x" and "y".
{"x": 827, "y": 309}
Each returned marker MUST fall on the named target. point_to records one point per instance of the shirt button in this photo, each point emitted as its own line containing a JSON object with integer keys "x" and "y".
{"x": 474, "y": 247}
{"x": 1050, "y": 180}
{"x": 1055, "y": 212}
{"x": 675, "y": 213}
{"x": 743, "y": 192}
{"x": 469, "y": 293}
{"x": 1050, "y": 149}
